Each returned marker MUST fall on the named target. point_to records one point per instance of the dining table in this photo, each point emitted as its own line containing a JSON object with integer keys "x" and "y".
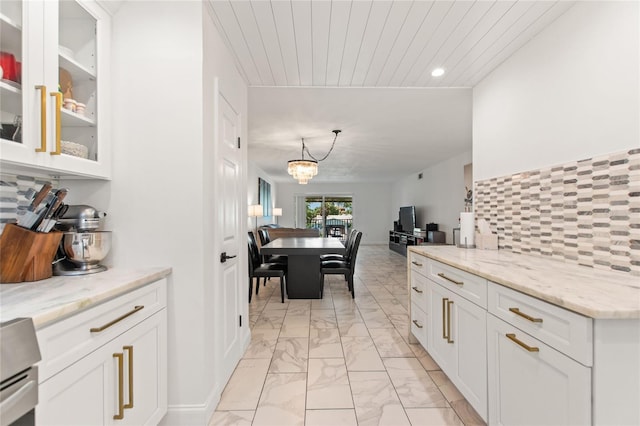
{"x": 303, "y": 264}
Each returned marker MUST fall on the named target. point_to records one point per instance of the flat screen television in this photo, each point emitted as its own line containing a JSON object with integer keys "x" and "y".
{"x": 408, "y": 219}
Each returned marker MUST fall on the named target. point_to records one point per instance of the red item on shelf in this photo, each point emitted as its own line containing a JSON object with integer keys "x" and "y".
{"x": 8, "y": 64}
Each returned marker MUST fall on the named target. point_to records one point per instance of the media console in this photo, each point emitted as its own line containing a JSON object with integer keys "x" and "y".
{"x": 398, "y": 241}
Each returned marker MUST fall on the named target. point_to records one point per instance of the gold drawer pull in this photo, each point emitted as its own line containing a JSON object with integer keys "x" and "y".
{"x": 523, "y": 315}
{"x": 130, "y": 350}
{"x": 416, "y": 323}
{"x": 416, "y": 263}
{"x": 444, "y": 318}
{"x": 110, "y": 323}
{"x": 120, "y": 414}
{"x": 449, "y": 303}
{"x": 417, "y": 290}
{"x": 43, "y": 118}
{"x": 441, "y": 275}
{"x": 58, "y": 97}
{"x": 512, "y": 337}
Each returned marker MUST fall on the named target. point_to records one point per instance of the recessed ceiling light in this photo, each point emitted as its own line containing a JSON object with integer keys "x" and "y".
{"x": 437, "y": 72}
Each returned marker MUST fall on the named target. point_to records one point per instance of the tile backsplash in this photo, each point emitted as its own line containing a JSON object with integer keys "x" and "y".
{"x": 12, "y": 190}
{"x": 585, "y": 212}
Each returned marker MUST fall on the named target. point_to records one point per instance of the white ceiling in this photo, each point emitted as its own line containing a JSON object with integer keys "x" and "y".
{"x": 315, "y": 66}
{"x": 386, "y": 133}
{"x": 367, "y": 43}
{"x": 318, "y": 65}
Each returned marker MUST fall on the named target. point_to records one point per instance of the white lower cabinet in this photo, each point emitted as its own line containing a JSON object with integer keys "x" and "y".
{"x": 520, "y": 360}
{"x": 531, "y": 383}
{"x": 122, "y": 381}
{"x": 457, "y": 342}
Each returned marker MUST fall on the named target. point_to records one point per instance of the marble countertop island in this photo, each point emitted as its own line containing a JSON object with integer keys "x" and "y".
{"x": 49, "y": 300}
{"x": 591, "y": 292}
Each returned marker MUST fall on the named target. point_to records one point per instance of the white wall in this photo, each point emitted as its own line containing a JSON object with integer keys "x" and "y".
{"x": 160, "y": 202}
{"x": 571, "y": 93}
{"x": 438, "y": 196}
{"x": 370, "y": 205}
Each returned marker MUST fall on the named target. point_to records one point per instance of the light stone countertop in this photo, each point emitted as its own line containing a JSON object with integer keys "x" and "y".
{"x": 49, "y": 300}
{"x": 591, "y": 292}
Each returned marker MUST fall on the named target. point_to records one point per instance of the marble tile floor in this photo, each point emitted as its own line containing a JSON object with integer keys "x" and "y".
{"x": 340, "y": 361}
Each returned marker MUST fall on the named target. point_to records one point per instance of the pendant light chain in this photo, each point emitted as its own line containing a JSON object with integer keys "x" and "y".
{"x": 304, "y": 148}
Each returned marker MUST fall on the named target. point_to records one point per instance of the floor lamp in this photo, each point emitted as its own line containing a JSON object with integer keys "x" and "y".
{"x": 277, "y": 211}
{"x": 255, "y": 210}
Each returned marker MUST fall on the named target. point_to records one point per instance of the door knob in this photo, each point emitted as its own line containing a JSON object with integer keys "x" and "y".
{"x": 224, "y": 257}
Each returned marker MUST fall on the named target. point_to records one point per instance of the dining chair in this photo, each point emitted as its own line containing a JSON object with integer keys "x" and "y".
{"x": 348, "y": 244}
{"x": 344, "y": 267}
{"x": 259, "y": 270}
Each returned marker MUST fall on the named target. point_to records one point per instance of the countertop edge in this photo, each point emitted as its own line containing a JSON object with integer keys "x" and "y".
{"x": 50, "y": 314}
{"x": 591, "y": 313}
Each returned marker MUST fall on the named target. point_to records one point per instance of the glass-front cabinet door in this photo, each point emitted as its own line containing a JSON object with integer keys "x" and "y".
{"x": 22, "y": 76}
{"x": 61, "y": 100}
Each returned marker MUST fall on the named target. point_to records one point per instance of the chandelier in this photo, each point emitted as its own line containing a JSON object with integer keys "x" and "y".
{"x": 304, "y": 170}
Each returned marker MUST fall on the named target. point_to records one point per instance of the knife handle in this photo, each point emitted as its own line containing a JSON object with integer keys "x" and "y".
{"x": 40, "y": 196}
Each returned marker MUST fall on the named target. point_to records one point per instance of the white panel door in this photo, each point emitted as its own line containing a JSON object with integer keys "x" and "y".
{"x": 469, "y": 333}
{"x": 229, "y": 277}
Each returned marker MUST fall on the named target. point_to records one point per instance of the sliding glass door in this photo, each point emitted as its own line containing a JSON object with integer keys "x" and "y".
{"x": 331, "y": 215}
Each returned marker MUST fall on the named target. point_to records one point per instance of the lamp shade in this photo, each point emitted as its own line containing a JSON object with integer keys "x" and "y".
{"x": 277, "y": 211}
{"x": 255, "y": 210}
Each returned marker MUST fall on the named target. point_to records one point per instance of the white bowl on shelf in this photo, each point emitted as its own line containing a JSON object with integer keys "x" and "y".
{"x": 65, "y": 51}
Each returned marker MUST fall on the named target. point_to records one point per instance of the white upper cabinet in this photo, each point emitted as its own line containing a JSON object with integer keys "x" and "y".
{"x": 58, "y": 89}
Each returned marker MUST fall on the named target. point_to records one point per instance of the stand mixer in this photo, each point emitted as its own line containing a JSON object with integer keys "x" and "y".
{"x": 83, "y": 245}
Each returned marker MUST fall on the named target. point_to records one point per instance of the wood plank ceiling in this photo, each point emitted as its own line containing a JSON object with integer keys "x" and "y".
{"x": 373, "y": 43}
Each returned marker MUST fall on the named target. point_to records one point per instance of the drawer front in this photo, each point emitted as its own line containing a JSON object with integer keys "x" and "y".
{"x": 532, "y": 383}
{"x": 70, "y": 339}
{"x": 419, "y": 324}
{"x": 418, "y": 263}
{"x": 418, "y": 290}
{"x": 563, "y": 330}
{"x": 469, "y": 286}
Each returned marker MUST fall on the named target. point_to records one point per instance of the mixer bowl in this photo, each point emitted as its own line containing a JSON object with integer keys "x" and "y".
{"x": 86, "y": 249}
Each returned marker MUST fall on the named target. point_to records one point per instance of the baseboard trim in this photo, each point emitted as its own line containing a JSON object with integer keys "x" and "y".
{"x": 199, "y": 414}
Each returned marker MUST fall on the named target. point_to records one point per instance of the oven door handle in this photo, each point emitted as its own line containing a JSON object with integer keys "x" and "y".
{"x": 17, "y": 396}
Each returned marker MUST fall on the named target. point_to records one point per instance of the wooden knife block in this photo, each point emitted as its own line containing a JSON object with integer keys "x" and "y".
{"x": 26, "y": 255}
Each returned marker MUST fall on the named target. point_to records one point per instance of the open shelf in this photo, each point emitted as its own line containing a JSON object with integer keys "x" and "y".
{"x": 71, "y": 119}
{"x": 76, "y": 69}
{"x": 10, "y": 35}
{"x": 11, "y": 94}
{"x": 398, "y": 241}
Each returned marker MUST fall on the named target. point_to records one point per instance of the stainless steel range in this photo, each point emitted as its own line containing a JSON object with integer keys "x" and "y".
{"x": 19, "y": 375}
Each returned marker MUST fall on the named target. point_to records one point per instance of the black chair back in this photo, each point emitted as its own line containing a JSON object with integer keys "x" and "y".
{"x": 354, "y": 251}
{"x": 254, "y": 254}
{"x": 349, "y": 243}
{"x": 264, "y": 236}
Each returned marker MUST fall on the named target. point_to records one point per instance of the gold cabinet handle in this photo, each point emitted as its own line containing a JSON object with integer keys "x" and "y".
{"x": 523, "y": 315}
{"x": 416, "y": 263}
{"x": 417, "y": 324}
{"x": 43, "y": 118}
{"x": 130, "y": 350}
{"x": 120, "y": 414}
{"x": 444, "y": 318}
{"x": 417, "y": 290}
{"x": 449, "y": 303}
{"x": 58, "y": 97}
{"x": 110, "y": 323}
{"x": 441, "y": 275}
{"x": 512, "y": 337}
